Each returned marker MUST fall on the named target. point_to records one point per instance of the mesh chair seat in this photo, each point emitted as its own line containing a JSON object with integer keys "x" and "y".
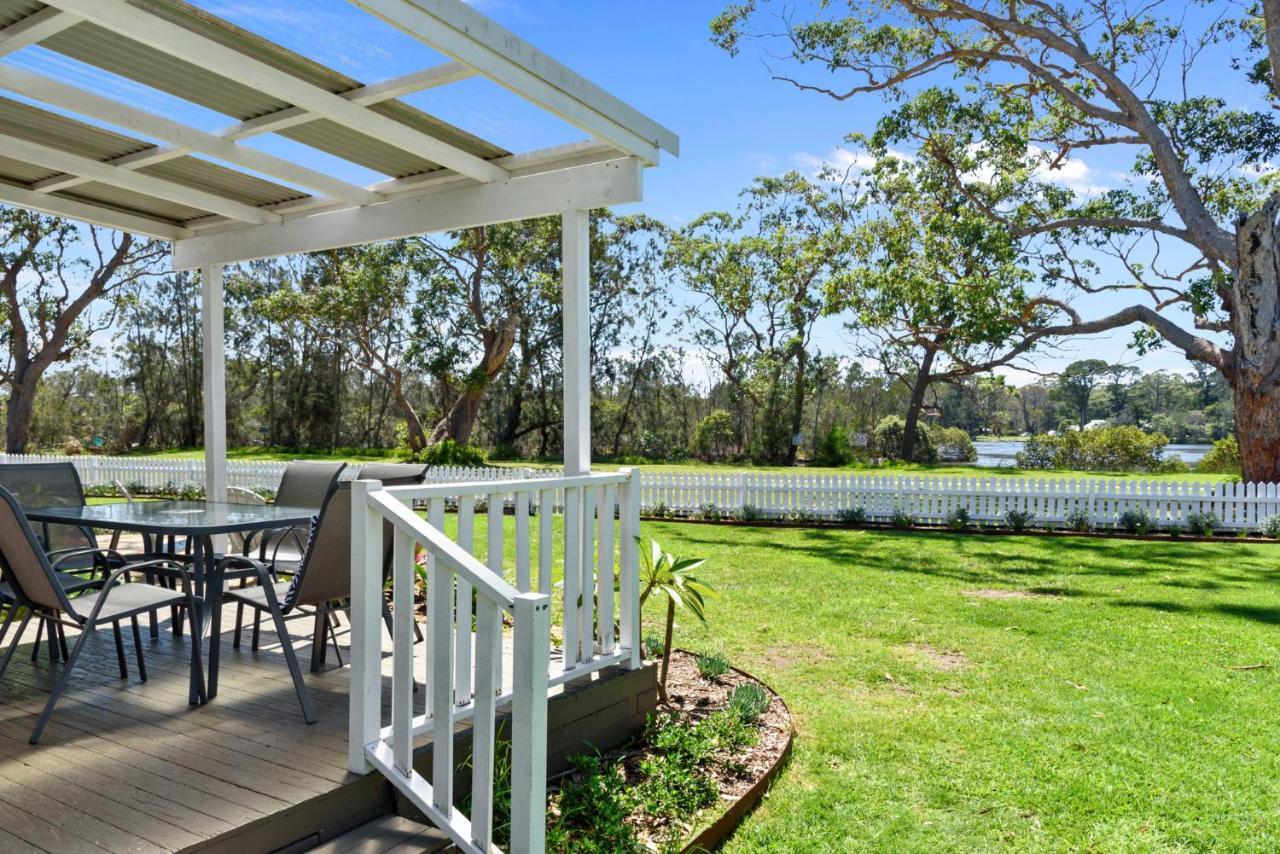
{"x": 126, "y": 600}
{"x": 256, "y": 596}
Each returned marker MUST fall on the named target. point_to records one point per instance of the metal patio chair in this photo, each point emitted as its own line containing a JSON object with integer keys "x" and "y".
{"x": 393, "y": 474}
{"x": 38, "y": 588}
{"x": 322, "y": 582}
{"x": 305, "y": 484}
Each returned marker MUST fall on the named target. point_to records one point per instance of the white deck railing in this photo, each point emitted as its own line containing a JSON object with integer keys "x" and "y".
{"x": 465, "y": 639}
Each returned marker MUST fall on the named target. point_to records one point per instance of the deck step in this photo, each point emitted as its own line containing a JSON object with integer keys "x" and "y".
{"x": 388, "y": 834}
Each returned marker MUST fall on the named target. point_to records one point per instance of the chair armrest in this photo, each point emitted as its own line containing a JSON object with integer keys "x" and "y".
{"x": 122, "y": 489}
{"x": 57, "y": 558}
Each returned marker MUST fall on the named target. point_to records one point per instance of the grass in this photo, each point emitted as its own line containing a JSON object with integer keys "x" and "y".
{"x": 1105, "y": 705}
{"x": 355, "y": 455}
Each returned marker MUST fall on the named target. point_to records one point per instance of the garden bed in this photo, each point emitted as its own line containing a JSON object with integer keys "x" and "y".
{"x": 703, "y": 762}
{"x": 1223, "y": 535}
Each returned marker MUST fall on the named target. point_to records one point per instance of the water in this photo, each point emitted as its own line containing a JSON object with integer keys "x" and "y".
{"x": 1002, "y": 452}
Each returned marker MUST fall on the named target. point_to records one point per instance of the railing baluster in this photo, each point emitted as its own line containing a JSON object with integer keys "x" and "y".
{"x": 546, "y": 539}
{"x": 572, "y": 574}
{"x": 628, "y": 567}
{"x": 440, "y": 624}
{"x": 402, "y": 655}
{"x": 523, "y": 569}
{"x": 466, "y": 539}
{"x": 494, "y": 560}
{"x": 529, "y": 723}
{"x": 587, "y": 585}
{"x": 604, "y": 569}
{"x": 488, "y": 650}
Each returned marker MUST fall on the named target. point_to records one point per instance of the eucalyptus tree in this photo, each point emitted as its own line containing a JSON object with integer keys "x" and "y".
{"x": 759, "y": 276}
{"x": 1009, "y": 94}
{"x": 1076, "y": 384}
{"x": 60, "y": 285}
{"x": 939, "y": 291}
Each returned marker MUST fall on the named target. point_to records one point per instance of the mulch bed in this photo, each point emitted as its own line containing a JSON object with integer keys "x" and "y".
{"x": 741, "y": 788}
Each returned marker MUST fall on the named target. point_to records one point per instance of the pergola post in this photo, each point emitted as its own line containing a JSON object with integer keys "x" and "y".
{"x": 576, "y": 315}
{"x": 215, "y": 383}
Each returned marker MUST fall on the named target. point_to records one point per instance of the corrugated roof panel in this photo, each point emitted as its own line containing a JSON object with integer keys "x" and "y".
{"x": 126, "y": 200}
{"x": 222, "y": 181}
{"x": 17, "y": 172}
{"x": 12, "y": 11}
{"x": 31, "y": 123}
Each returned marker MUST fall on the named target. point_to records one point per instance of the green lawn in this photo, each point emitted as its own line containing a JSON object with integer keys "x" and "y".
{"x": 375, "y": 455}
{"x": 1099, "y": 710}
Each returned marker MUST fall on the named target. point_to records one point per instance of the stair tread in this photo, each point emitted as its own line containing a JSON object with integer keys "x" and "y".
{"x": 388, "y": 834}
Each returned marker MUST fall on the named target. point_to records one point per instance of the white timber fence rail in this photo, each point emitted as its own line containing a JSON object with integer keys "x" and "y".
{"x": 799, "y": 495}
{"x": 474, "y": 670}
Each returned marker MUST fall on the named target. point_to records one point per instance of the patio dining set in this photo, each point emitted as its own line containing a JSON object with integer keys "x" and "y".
{"x": 282, "y": 560}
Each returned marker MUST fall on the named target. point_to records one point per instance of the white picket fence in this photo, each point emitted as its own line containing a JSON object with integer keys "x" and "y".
{"x": 801, "y": 495}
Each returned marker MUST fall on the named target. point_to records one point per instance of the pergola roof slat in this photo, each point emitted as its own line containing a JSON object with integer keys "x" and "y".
{"x": 64, "y": 161}
{"x": 95, "y": 214}
{"x": 188, "y": 139}
{"x": 134, "y": 24}
{"x": 34, "y": 29}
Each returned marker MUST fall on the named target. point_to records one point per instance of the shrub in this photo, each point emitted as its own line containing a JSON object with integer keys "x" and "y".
{"x": 852, "y": 516}
{"x": 1078, "y": 520}
{"x": 748, "y": 513}
{"x": 1123, "y": 448}
{"x": 954, "y": 445}
{"x": 652, "y": 645}
{"x": 901, "y": 519}
{"x": 1135, "y": 521}
{"x": 1223, "y": 458}
{"x": 1271, "y": 527}
{"x": 1173, "y": 529}
{"x": 1202, "y": 524}
{"x": 708, "y": 511}
{"x": 958, "y": 519}
{"x": 592, "y": 808}
{"x": 660, "y": 510}
{"x": 71, "y": 447}
{"x": 834, "y": 449}
{"x": 1173, "y": 465}
{"x": 449, "y": 453}
{"x": 889, "y": 436}
{"x": 1018, "y": 520}
{"x": 712, "y": 665}
{"x": 715, "y": 436}
{"x": 749, "y": 701}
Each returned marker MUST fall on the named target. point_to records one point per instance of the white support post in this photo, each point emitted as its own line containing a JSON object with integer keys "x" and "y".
{"x": 576, "y": 313}
{"x": 365, "y": 720}
{"x": 529, "y": 723}
{"x": 628, "y": 568}
{"x": 215, "y": 383}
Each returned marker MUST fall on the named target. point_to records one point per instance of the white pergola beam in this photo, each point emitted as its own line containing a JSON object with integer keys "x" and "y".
{"x": 374, "y": 93}
{"x": 544, "y": 194}
{"x": 159, "y": 188}
{"x": 103, "y": 109}
{"x": 90, "y": 213}
{"x": 386, "y": 90}
{"x": 457, "y": 30}
{"x": 34, "y": 29}
{"x": 133, "y": 23}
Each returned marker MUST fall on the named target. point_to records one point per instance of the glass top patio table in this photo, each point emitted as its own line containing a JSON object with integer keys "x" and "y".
{"x": 201, "y": 521}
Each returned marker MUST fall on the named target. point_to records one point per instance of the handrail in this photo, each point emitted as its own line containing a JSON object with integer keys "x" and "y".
{"x": 417, "y": 492}
{"x": 460, "y": 561}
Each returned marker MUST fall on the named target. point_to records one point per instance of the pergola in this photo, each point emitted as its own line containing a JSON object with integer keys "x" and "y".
{"x": 81, "y": 154}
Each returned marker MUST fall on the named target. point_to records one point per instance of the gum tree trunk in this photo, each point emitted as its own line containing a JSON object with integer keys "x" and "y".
{"x": 1255, "y": 324}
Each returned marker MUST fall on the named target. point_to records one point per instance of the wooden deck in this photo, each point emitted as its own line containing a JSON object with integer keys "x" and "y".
{"x": 125, "y": 766}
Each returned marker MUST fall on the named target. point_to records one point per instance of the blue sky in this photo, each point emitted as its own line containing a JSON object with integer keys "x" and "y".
{"x": 735, "y": 123}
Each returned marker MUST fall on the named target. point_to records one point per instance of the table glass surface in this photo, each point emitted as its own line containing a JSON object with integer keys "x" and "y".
{"x": 196, "y": 517}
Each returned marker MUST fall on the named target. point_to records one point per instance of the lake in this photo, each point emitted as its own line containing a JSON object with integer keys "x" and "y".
{"x": 1002, "y": 452}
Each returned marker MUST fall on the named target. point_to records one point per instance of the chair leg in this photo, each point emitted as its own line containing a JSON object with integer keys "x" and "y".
{"x": 319, "y": 638}
{"x": 137, "y": 648}
{"x": 257, "y": 622}
{"x": 13, "y": 646}
{"x": 235, "y": 641}
{"x": 35, "y": 650}
{"x": 124, "y": 667}
{"x": 304, "y": 696}
{"x": 51, "y": 635}
{"x": 333, "y": 635}
{"x": 10, "y": 613}
{"x": 62, "y": 639}
{"x": 61, "y": 684}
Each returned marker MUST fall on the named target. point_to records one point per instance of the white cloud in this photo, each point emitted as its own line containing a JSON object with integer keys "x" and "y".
{"x": 841, "y": 160}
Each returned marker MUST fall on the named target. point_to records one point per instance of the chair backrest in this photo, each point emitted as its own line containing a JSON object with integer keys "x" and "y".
{"x": 325, "y": 573}
{"x": 49, "y": 485}
{"x": 24, "y": 562}
{"x": 240, "y": 495}
{"x": 392, "y": 474}
{"x": 307, "y": 484}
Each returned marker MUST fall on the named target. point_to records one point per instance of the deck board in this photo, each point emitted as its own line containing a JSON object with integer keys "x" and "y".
{"x": 125, "y": 766}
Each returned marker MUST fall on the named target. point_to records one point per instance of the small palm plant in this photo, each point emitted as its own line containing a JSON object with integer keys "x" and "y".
{"x": 665, "y": 574}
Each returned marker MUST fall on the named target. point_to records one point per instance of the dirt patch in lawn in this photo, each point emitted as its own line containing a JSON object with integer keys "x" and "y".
{"x": 787, "y": 656}
{"x": 946, "y": 660}
{"x": 996, "y": 593}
